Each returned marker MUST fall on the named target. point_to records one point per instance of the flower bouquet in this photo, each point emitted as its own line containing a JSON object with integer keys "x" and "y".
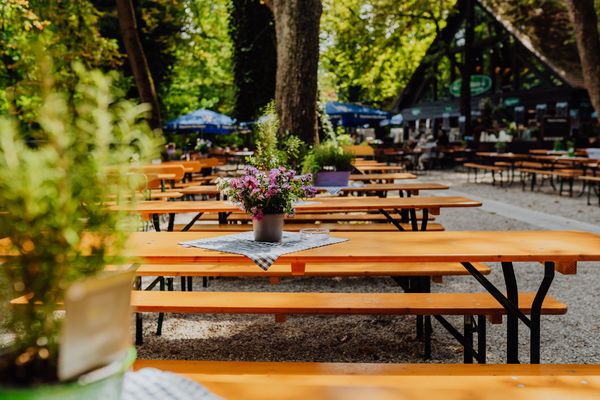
{"x": 268, "y": 197}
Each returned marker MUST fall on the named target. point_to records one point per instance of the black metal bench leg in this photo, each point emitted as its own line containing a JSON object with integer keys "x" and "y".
{"x": 190, "y": 288}
{"x": 427, "y": 338}
{"x": 183, "y": 282}
{"x": 468, "y": 335}
{"x": 161, "y": 316}
{"x": 139, "y": 334}
{"x": 571, "y": 181}
{"x": 481, "y": 339}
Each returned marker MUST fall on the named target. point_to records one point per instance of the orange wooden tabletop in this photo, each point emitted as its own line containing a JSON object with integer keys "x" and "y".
{"x": 318, "y": 204}
{"x": 502, "y": 155}
{"x": 374, "y": 167}
{"x": 212, "y": 189}
{"x": 473, "y": 246}
{"x": 368, "y": 177}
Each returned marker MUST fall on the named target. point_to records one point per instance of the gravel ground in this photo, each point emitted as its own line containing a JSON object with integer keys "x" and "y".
{"x": 571, "y": 338}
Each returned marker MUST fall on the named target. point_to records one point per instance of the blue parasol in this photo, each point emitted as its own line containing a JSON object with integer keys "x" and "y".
{"x": 395, "y": 120}
{"x": 350, "y": 115}
{"x": 202, "y": 121}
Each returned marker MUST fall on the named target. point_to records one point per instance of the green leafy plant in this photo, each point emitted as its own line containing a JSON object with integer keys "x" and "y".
{"x": 53, "y": 194}
{"x": 330, "y": 155}
{"x": 268, "y": 155}
{"x": 500, "y": 146}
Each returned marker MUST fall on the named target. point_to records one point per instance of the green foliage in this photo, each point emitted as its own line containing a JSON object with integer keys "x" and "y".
{"x": 68, "y": 31}
{"x": 201, "y": 75}
{"x": 330, "y": 155}
{"x": 269, "y": 154}
{"x": 53, "y": 193}
{"x": 370, "y": 48}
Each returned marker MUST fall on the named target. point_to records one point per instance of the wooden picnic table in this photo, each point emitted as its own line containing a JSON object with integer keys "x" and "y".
{"x": 385, "y": 206}
{"x": 380, "y": 168}
{"x": 385, "y": 381}
{"x": 386, "y": 177}
{"x": 409, "y": 188}
{"x": 556, "y": 152}
{"x": 555, "y": 250}
{"x": 504, "y": 156}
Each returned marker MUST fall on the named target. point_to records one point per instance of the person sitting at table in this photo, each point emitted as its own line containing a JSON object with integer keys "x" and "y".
{"x": 426, "y": 146}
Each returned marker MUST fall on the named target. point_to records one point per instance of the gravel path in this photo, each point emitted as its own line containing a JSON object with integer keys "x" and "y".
{"x": 572, "y": 338}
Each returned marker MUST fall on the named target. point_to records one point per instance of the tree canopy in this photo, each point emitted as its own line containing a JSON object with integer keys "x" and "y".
{"x": 370, "y": 48}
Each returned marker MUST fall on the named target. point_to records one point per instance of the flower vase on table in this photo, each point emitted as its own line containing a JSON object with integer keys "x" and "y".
{"x": 269, "y": 228}
{"x": 268, "y": 197}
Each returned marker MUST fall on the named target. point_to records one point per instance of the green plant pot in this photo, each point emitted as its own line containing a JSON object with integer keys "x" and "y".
{"x": 95, "y": 385}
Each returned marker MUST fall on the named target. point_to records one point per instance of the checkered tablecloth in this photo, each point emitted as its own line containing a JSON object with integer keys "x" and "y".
{"x": 332, "y": 190}
{"x": 151, "y": 384}
{"x": 263, "y": 254}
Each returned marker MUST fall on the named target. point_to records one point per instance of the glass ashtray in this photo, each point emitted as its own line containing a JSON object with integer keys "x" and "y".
{"x": 314, "y": 233}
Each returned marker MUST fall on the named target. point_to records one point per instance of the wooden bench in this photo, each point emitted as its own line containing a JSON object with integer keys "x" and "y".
{"x": 323, "y": 217}
{"x": 412, "y": 277}
{"x": 357, "y": 381}
{"x": 563, "y": 175}
{"x": 592, "y": 183}
{"x": 435, "y": 270}
{"x": 468, "y": 305}
{"x": 493, "y": 169}
{"x": 333, "y": 227}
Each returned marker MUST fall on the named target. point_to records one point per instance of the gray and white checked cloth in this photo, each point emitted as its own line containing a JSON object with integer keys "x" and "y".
{"x": 263, "y": 254}
{"x": 332, "y": 190}
{"x": 151, "y": 383}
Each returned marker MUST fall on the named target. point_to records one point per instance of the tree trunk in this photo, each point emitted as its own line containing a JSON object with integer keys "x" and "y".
{"x": 467, "y": 67}
{"x": 585, "y": 22}
{"x": 137, "y": 60}
{"x": 252, "y": 30}
{"x": 297, "y": 30}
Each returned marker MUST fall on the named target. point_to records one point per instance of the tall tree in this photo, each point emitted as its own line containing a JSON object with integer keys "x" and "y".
{"x": 585, "y": 22}
{"x": 297, "y": 30}
{"x": 467, "y": 66}
{"x": 252, "y": 31}
{"x": 137, "y": 60}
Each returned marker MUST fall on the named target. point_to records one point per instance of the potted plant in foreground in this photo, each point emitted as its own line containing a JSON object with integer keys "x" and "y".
{"x": 330, "y": 162}
{"x": 58, "y": 229}
{"x": 268, "y": 197}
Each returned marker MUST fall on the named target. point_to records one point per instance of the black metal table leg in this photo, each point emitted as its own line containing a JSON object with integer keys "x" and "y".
{"x": 391, "y": 220}
{"x": 171, "y": 222}
{"x": 413, "y": 219}
{"x": 512, "y": 321}
{"x": 156, "y": 222}
{"x": 425, "y": 219}
{"x": 536, "y": 311}
{"x": 192, "y": 222}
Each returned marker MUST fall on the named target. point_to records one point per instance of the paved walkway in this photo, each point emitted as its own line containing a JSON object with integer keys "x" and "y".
{"x": 536, "y": 218}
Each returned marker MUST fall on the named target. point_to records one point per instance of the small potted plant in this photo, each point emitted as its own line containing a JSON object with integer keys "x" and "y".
{"x": 500, "y": 147}
{"x": 52, "y": 194}
{"x": 202, "y": 147}
{"x": 268, "y": 197}
{"x": 330, "y": 162}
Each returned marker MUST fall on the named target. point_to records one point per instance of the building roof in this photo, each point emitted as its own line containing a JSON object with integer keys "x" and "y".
{"x": 566, "y": 64}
